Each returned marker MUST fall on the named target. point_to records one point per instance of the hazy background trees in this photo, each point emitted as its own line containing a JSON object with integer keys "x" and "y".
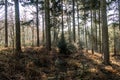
{"x": 89, "y": 24}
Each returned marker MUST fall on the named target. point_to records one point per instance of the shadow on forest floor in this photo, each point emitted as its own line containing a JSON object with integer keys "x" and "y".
{"x": 100, "y": 71}
{"x": 37, "y": 64}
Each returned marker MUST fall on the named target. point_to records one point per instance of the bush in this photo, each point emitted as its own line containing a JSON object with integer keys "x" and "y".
{"x": 71, "y": 48}
{"x": 80, "y": 45}
{"x": 62, "y": 45}
{"x": 66, "y": 48}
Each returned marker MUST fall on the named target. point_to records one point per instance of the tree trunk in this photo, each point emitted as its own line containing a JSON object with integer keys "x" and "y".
{"x": 13, "y": 29}
{"x": 114, "y": 39}
{"x": 91, "y": 32}
{"x": 17, "y": 25}
{"x": 85, "y": 31}
{"x": 6, "y": 25}
{"x": 47, "y": 25}
{"x": 86, "y": 38}
{"x": 37, "y": 24}
{"x": 95, "y": 30}
{"x": 78, "y": 23}
{"x": 105, "y": 44}
{"x": 23, "y": 36}
{"x": 69, "y": 27}
{"x": 54, "y": 23}
{"x": 43, "y": 35}
{"x": 32, "y": 36}
{"x": 73, "y": 7}
{"x": 119, "y": 12}
{"x": 99, "y": 31}
{"x": 62, "y": 22}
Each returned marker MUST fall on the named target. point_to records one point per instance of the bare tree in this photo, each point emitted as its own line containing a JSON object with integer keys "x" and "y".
{"x": 6, "y": 25}
{"x": 105, "y": 44}
{"x": 17, "y": 25}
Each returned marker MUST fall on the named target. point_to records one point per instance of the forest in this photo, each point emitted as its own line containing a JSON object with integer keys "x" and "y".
{"x": 59, "y": 39}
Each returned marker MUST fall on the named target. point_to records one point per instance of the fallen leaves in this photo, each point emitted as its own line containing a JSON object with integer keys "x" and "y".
{"x": 37, "y": 64}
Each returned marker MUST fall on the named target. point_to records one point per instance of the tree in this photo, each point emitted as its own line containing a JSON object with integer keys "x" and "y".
{"x": 114, "y": 35}
{"x": 78, "y": 21}
{"x": 105, "y": 44}
{"x": 91, "y": 13}
{"x": 17, "y": 25}
{"x": 95, "y": 30}
{"x": 6, "y": 25}
{"x": 62, "y": 22}
{"x": 73, "y": 7}
{"x": 37, "y": 23}
{"x": 99, "y": 14}
{"x": 119, "y": 12}
{"x": 47, "y": 25}
{"x": 43, "y": 33}
{"x": 36, "y": 4}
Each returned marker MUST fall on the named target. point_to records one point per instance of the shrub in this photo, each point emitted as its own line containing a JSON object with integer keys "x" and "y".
{"x": 80, "y": 45}
{"x": 71, "y": 48}
{"x": 62, "y": 45}
{"x": 66, "y": 48}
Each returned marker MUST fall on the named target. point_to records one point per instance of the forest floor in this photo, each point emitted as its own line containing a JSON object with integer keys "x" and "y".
{"x": 37, "y": 64}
